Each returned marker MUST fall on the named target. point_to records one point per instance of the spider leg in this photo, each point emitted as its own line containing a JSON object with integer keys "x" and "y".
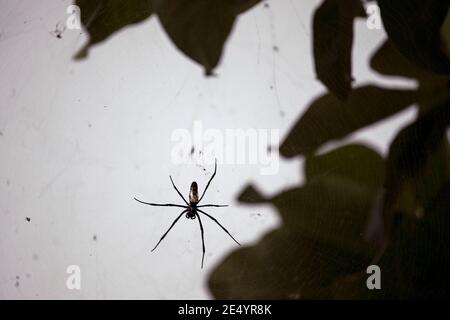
{"x": 213, "y": 219}
{"x": 171, "y": 226}
{"x": 161, "y": 204}
{"x": 178, "y": 191}
{"x": 207, "y": 185}
{"x": 203, "y": 237}
{"x": 213, "y": 205}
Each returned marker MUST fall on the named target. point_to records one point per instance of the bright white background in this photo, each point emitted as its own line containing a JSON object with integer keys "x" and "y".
{"x": 79, "y": 139}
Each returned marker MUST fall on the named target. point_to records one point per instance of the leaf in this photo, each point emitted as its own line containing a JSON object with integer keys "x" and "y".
{"x": 199, "y": 28}
{"x": 387, "y": 60}
{"x": 333, "y": 211}
{"x": 354, "y": 286}
{"x": 332, "y": 207}
{"x": 321, "y": 238}
{"x": 240, "y": 6}
{"x": 410, "y": 151}
{"x": 251, "y": 195}
{"x": 415, "y": 265}
{"x": 417, "y": 165}
{"x": 332, "y": 43}
{"x": 414, "y": 26}
{"x": 328, "y": 118}
{"x": 354, "y": 162}
{"x": 105, "y": 17}
{"x": 283, "y": 265}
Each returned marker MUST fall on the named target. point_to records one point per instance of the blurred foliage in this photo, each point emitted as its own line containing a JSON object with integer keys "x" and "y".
{"x": 414, "y": 26}
{"x": 105, "y": 17}
{"x": 355, "y": 207}
{"x": 322, "y": 235}
{"x": 199, "y": 28}
{"x": 329, "y": 118}
{"x": 332, "y": 43}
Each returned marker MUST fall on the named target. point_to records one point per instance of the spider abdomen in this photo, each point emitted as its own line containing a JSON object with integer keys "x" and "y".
{"x": 193, "y": 193}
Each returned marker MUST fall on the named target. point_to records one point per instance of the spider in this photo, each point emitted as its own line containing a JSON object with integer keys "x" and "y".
{"x": 191, "y": 209}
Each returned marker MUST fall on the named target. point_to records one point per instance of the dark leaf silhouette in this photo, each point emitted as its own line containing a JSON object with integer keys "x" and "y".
{"x": 282, "y": 265}
{"x": 328, "y": 118}
{"x": 417, "y": 165}
{"x": 335, "y": 164}
{"x": 415, "y": 266}
{"x": 389, "y": 61}
{"x": 199, "y": 28}
{"x": 352, "y": 286}
{"x": 355, "y": 208}
{"x": 105, "y": 17}
{"x": 415, "y": 28}
{"x": 322, "y": 235}
{"x": 240, "y": 6}
{"x": 333, "y": 39}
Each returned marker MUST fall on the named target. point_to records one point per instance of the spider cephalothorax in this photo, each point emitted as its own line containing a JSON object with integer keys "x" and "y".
{"x": 191, "y": 209}
{"x": 190, "y": 213}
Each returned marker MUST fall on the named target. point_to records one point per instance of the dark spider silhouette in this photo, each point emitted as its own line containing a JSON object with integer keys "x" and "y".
{"x": 191, "y": 209}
